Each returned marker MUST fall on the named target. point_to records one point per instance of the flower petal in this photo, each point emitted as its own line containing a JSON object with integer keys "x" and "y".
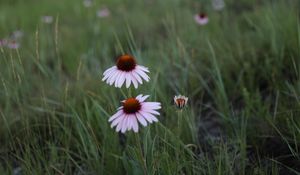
{"x": 141, "y": 119}
{"x": 142, "y": 99}
{"x": 115, "y": 115}
{"x": 135, "y": 125}
{"x": 143, "y": 68}
{"x": 128, "y": 80}
{"x": 151, "y": 105}
{"x": 124, "y": 124}
{"x": 142, "y": 74}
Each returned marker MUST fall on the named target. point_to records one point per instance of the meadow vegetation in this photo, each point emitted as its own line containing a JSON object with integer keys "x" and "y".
{"x": 241, "y": 69}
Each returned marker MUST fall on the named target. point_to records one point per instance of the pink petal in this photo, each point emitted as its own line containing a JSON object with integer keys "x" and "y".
{"x": 113, "y": 77}
{"x": 121, "y": 80}
{"x": 115, "y": 115}
{"x": 139, "y": 96}
{"x": 116, "y": 121}
{"x": 135, "y": 125}
{"x": 144, "y": 114}
{"x": 143, "y": 98}
{"x": 128, "y": 80}
{"x": 142, "y": 74}
{"x": 109, "y": 70}
{"x": 128, "y": 128}
{"x": 137, "y": 77}
{"x": 151, "y": 105}
{"x": 118, "y": 78}
{"x": 150, "y": 111}
{"x": 152, "y": 117}
{"x": 124, "y": 124}
{"x": 108, "y": 75}
{"x": 143, "y": 68}
{"x": 134, "y": 81}
{"x": 119, "y": 126}
{"x": 141, "y": 119}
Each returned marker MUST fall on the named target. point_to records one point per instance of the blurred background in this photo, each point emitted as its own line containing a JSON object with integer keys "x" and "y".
{"x": 237, "y": 61}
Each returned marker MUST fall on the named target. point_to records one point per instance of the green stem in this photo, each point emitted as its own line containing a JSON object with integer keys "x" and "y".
{"x": 137, "y": 138}
{"x": 179, "y": 123}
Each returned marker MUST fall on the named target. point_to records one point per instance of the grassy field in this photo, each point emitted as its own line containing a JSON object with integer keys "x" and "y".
{"x": 240, "y": 71}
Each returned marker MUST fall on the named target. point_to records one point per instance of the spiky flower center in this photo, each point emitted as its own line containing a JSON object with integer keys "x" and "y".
{"x": 180, "y": 101}
{"x": 126, "y": 63}
{"x": 131, "y": 105}
{"x": 202, "y": 15}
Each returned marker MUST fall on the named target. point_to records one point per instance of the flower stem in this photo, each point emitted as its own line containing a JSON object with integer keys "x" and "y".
{"x": 179, "y": 123}
{"x": 137, "y": 138}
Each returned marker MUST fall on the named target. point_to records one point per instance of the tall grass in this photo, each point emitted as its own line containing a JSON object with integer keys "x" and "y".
{"x": 243, "y": 67}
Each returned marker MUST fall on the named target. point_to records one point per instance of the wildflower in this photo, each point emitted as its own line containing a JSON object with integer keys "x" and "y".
{"x": 17, "y": 34}
{"x": 132, "y": 111}
{"x": 3, "y": 42}
{"x": 180, "y": 101}
{"x": 127, "y": 70}
{"x": 87, "y": 3}
{"x": 218, "y": 4}
{"x": 201, "y": 19}
{"x": 47, "y": 19}
{"x": 13, "y": 44}
{"x": 102, "y": 13}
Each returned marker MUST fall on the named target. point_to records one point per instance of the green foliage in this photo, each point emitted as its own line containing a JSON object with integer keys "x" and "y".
{"x": 243, "y": 66}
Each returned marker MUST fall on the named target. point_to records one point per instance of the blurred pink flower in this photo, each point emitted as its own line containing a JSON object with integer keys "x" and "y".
{"x": 13, "y": 44}
{"x": 87, "y": 3}
{"x": 201, "y": 19}
{"x": 17, "y": 34}
{"x": 47, "y": 19}
{"x": 218, "y": 4}
{"x": 102, "y": 13}
{"x": 3, "y": 42}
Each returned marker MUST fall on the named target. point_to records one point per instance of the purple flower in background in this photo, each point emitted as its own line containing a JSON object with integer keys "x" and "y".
{"x": 13, "y": 44}
{"x": 47, "y": 19}
{"x": 218, "y": 4}
{"x": 87, "y": 3}
{"x": 3, "y": 42}
{"x": 201, "y": 19}
{"x": 102, "y": 13}
{"x": 17, "y": 34}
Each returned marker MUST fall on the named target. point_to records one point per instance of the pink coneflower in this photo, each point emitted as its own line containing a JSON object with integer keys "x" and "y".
{"x": 102, "y": 13}
{"x": 201, "y": 18}
{"x": 13, "y": 44}
{"x": 218, "y": 4}
{"x": 3, "y": 42}
{"x": 17, "y": 34}
{"x": 47, "y": 19}
{"x": 180, "y": 101}
{"x": 132, "y": 111}
{"x": 127, "y": 70}
{"x": 87, "y": 3}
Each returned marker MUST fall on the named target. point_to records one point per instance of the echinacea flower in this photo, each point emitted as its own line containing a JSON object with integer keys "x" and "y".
{"x": 17, "y": 34}
{"x": 13, "y": 44}
{"x": 102, "y": 13}
{"x": 126, "y": 70}
{"x": 87, "y": 3}
{"x": 201, "y": 18}
{"x": 132, "y": 111}
{"x": 47, "y": 19}
{"x": 218, "y": 4}
{"x": 180, "y": 101}
{"x": 3, "y": 42}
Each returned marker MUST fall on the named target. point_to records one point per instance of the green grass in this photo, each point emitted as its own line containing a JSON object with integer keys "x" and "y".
{"x": 243, "y": 67}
